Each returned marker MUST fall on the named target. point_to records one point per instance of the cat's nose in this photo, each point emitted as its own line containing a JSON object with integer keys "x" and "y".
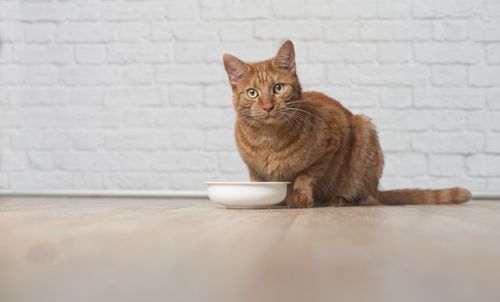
{"x": 268, "y": 107}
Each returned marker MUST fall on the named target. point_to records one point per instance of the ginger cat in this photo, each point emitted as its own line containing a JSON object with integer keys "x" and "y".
{"x": 330, "y": 156}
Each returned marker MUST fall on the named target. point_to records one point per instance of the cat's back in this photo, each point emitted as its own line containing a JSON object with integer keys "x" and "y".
{"x": 326, "y": 106}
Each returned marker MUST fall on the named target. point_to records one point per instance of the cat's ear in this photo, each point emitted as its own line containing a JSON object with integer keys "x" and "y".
{"x": 235, "y": 68}
{"x": 285, "y": 58}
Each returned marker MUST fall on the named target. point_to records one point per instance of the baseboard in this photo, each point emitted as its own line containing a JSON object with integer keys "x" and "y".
{"x": 108, "y": 193}
{"x": 151, "y": 193}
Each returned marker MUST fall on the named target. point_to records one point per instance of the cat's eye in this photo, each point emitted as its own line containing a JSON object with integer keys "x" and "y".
{"x": 278, "y": 88}
{"x": 252, "y": 93}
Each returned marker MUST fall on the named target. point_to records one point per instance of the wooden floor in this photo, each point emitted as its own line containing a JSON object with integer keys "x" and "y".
{"x": 60, "y": 249}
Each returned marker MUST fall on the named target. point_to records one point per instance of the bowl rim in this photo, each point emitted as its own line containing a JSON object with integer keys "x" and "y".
{"x": 245, "y": 182}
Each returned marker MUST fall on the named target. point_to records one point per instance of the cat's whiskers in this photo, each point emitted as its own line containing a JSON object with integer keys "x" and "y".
{"x": 304, "y": 111}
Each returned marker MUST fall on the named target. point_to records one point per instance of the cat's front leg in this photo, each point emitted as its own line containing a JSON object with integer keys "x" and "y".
{"x": 302, "y": 195}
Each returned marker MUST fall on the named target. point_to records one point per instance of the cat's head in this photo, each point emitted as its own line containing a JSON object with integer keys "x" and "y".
{"x": 261, "y": 90}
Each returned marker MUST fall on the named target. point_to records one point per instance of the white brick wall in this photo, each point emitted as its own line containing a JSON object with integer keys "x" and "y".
{"x": 125, "y": 94}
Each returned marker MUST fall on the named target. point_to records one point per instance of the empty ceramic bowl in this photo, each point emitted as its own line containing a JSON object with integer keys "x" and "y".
{"x": 247, "y": 194}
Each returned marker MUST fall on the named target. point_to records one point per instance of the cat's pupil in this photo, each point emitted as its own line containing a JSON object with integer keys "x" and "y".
{"x": 278, "y": 88}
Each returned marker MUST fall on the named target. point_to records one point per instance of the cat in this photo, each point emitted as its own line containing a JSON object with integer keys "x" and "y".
{"x": 331, "y": 156}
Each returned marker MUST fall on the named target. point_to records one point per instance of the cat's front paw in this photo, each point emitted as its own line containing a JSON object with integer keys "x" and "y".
{"x": 300, "y": 200}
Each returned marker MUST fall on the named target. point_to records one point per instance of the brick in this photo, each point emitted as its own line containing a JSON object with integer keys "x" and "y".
{"x": 183, "y": 10}
{"x": 448, "y": 143}
{"x": 395, "y": 30}
{"x": 188, "y": 139}
{"x": 86, "y": 97}
{"x": 231, "y": 162}
{"x": 407, "y": 119}
{"x": 87, "y": 140}
{"x": 354, "y": 97}
{"x": 446, "y": 120}
{"x": 345, "y": 52}
{"x": 288, "y": 9}
{"x": 445, "y": 8}
{"x": 40, "y": 12}
{"x": 137, "y": 180}
{"x": 478, "y": 120}
{"x": 341, "y": 74}
{"x": 90, "y": 76}
{"x": 184, "y": 95}
{"x": 485, "y": 30}
{"x": 451, "y": 52}
{"x": 493, "y": 8}
{"x": 465, "y": 98}
{"x": 86, "y": 161}
{"x": 396, "y": 97}
{"x": 37, "y": 117}
{"x": 394, "y": 52}
{"x": 13, "y": 161}
{"x": 446, "y": 165}
{"x": 133, "y": 97}
{"x": 493, "y": 53}
{"x": 33, "y": 180}
{"x": 85, "y": 11}
{"x": 189, "y": 52}
{"x": 90, "y": 54}
{"x": 299, "y": 30}
{"x": 341, "y": 31}
{"x": 188, "y": 118}
{"x": 493, "y": 143}
{"x": 134, "y": 32}
{"x": 191, "y": 180}
{"x": 311, "y": 74}
{"x": 140, "y": 117}
{"x": 34, "y": 139}
{"x": 235, "y": 31}
{"x": 12, "y": 75}
{"x": 342, "y": 9}
{"x": 39, "y": 32}
{"x": 138, "y": 140}
{"x": 90, "y": 118}
{"x": 41, "y": 97}
{"x": 220, "y": 139}
{"x": 483, "y": 165}
{"x": 131, "y": 53}
{"x": 184, "y": 161}
{"x": 445, "y": 75}
{"x": 190, "y": 74}
{"x": 394, "y": 9}
{"x": 394, "y": 141}
{"x": 133, "y": 11}
{"x": 40, "y": 160}
{"x": 87, "y": 180}
{"x": 161, "y": 32}
{"x": 218, "y": 96}
{"x": 405, "y": 164}
{"x": 41, "y": 75}
{"x": 234, "y": 10}
{"x": 43, "y": 54}
{"x": 389, "y": 183}
{"x": 244, "y": 50}
{"x": 189, "y": 31}
{"x": 450, "y": 30}
{"x": 493, "y": 99}
{"x": 394, "y": 75}
{"x": 138, "y": 74}
{"x": 484, "y": 76}
{"x": 86, "y": 32}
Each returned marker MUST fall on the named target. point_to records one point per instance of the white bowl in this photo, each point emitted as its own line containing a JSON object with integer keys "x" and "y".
{"x": 247, "y": 194}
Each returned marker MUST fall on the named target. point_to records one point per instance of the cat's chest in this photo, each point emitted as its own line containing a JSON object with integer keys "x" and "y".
{"x": 272, "y": 158}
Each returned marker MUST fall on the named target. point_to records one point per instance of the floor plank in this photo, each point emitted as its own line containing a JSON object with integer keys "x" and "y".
{"x": 113, "y": 249}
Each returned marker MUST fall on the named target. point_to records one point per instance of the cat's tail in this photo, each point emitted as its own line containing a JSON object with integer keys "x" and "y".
{"x": 423, "y": 196}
